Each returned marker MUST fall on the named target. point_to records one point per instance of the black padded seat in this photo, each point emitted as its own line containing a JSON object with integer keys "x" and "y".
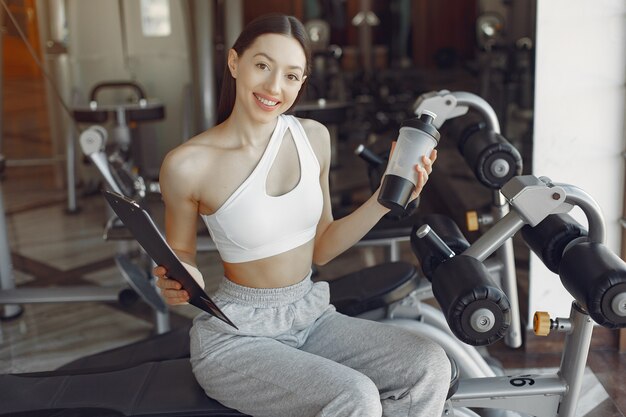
{"x": 157, "y": 389}
{"x": 391, "y": 229}
{"x": 167, "y": 346}
{"x": 374, "y": 287}
{"x": 134, "y": 112}
{"x": 145, "y": 114}
{"x": 91, "y": 116}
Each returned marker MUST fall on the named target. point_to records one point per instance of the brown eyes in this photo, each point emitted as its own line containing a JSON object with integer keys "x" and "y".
{"x": 264, "y": 67}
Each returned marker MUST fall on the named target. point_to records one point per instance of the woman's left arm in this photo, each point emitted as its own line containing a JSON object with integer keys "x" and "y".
{"x": 333, "y": 237}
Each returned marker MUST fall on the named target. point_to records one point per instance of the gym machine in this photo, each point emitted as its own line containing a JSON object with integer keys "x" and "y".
{"x": 594, "y": 276}
{"x": 11, "y": 297}
{"x": 121, "y": 172}
{"x": 494, "y": 161}
{"x": 124, "y": 114}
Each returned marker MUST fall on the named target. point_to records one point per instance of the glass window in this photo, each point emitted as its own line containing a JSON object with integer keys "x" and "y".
{"x": 155, "y": 18}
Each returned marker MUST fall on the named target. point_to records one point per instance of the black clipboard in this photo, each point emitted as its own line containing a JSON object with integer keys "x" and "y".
{"x": 143, "y": 229}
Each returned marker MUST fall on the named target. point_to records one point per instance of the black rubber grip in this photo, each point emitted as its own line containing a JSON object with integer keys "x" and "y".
{"x": 147, "y": 114}
{"x": 486, "y": 153}
{"x": 549, "y": 238}
{"x": 448, "y": 231}
{"x": 369, "y": 156}
{"x": 594, "y": 276}
{"x": 462, "y": 286}
{"x": 91, "y": 116}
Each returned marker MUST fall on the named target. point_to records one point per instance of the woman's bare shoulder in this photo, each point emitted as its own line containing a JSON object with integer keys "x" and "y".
{"x": 319, "y": 138}
{"x": 314, "y": 129}
{"x": 196, "y": 155}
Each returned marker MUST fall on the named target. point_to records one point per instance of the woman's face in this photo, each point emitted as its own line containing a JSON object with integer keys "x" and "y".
{"x": 269, "y": 75}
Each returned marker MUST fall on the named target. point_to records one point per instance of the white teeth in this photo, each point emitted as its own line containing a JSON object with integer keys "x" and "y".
{"x": 266, "y": 102}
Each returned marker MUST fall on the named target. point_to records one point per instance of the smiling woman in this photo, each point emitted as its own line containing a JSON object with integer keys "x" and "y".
{"x": 273, "y": 80}
{"x": 287, "y": 26}
{"x": 259, "y": 181}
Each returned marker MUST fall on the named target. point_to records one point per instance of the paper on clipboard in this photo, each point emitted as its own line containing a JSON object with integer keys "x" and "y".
{"x": 143, "y": 229}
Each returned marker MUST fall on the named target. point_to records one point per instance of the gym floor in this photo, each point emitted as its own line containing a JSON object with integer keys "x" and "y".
{"x": 52, "y": 248}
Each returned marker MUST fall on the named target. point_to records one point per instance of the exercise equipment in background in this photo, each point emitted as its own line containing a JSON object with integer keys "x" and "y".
{"x": 12, "y": 298}
{"x": 149, "y": 366}
{"x": 592, "y": 274}
{"x": 494, "y": 162}
{"x": 111, "y": 108}
{"x": 112, "y": 152}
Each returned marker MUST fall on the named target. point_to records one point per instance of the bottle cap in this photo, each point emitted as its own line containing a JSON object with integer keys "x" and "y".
{"x": 428, "y": 112}
{"x": 423, "y": 123}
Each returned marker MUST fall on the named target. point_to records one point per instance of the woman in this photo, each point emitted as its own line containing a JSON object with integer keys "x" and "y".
{"x": 259, "y": 180}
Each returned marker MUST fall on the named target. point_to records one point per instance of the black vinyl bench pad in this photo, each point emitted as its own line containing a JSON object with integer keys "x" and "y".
{"x": 165, "y": 388}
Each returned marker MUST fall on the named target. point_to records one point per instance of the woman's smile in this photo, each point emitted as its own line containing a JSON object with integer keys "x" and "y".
{"x": 265, "y": 102}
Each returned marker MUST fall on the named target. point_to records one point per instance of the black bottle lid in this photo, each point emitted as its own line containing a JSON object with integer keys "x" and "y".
{"x": 423, "y": 123}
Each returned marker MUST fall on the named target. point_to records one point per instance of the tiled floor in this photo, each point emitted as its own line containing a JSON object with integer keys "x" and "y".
{"x": 51, "y": 247}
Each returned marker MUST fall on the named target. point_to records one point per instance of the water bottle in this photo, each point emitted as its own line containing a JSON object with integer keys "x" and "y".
{"x": 418, "y": 137}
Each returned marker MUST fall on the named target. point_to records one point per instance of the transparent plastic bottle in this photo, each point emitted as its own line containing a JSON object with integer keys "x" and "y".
{"x": 417, "y": 137}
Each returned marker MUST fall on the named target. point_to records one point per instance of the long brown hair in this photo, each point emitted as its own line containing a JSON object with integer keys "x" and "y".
{"x": 270, "y": 23}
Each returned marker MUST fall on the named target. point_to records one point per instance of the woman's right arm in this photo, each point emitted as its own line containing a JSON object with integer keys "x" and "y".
{"x": 177, "y": 180}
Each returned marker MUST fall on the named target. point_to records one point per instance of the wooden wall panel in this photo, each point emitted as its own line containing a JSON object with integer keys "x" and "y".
{"x": 17, "y": 60}
{"x": 438, "y": 24}
{"x": 255, "y": 8}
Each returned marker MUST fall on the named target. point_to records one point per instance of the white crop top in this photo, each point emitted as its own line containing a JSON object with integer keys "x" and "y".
{"x": 253, "y": 225}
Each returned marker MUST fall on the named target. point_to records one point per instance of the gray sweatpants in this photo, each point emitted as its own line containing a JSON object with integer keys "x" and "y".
{"x": 295, "y": 356}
